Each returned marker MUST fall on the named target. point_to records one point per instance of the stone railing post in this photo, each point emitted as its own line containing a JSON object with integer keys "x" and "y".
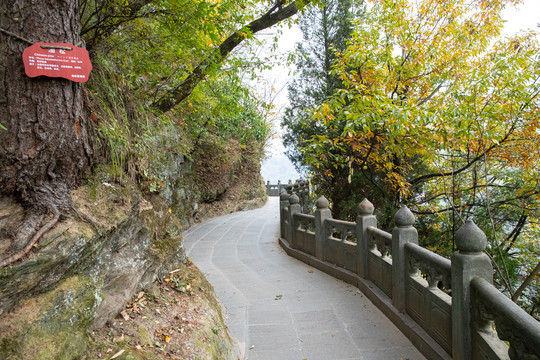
{"x": 294, "y": 208}
{"x": 296, "y": 188}
{"x": 322, "y": 213}
{"x": 300, "y": 192}
{"x": 283, "y": 203}
{"x": 279, "y": 186}
{"x": 288, "y": 188}
{"x": 402, "y": 233}
{"x": 304, "y": 193}
{"x": 468, "y": 262}
{"x": 268, "y": 187}
{"x": 364, "y": 219}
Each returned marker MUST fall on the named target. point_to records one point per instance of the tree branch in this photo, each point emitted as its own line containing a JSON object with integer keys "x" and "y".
{"x": 512, "y": 237}
{"x": 527, "y": 281}
{"x": 273, "y": 16}
{"x": 105, "y": 25}
{"x": 469, "y": 164}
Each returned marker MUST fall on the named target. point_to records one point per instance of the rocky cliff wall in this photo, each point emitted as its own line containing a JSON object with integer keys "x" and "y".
{"x": 113, "y": 243}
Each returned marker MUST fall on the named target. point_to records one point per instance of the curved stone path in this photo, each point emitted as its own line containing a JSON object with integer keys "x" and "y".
{"x": 278, "y": 308}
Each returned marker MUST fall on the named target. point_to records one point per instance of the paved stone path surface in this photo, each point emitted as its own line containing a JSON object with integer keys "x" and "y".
{"x": 279, "y": 308}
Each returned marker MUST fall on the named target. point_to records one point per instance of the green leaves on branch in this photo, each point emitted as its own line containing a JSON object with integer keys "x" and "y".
{"x": 441, "y": 112}
{"x": 412, "y": 77}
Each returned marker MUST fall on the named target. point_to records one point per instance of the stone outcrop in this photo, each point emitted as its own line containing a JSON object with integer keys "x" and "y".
{"x": 114, "y": 242}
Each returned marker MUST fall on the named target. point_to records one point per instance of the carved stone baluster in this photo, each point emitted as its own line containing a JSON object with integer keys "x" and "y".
{"x": 321, "y": 214}
{"x": 413, "y": 264}
{"x": 284, "y": 203}
{"x": 383, "y": 247}
{"x": 294, "y": 208}
{"x": 483, "y": 319}
{"x": 364, "y": 219}
{"x": 468, "y": 261}
{"x": 433, "y": 275}
{"x": 403, "y": 232}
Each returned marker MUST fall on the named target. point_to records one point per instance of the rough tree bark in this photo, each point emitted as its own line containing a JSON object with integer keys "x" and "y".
{"x": 44, "y": 148}
{"x": 275, "y": 14}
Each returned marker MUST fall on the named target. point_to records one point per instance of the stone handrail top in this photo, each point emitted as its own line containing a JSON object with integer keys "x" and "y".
{"x": 435, "y": 259}
{"x": 305, "y": 216}
{"x": 340, "y": 222}
{"x": 379, "y": 233}
{"x": 509, "y": 312}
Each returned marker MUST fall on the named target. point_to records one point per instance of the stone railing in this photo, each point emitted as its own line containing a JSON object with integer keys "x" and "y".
{"x": 274, "y": 189}
{"x": 300, "y": 188}
{"x": 448, "y": 308}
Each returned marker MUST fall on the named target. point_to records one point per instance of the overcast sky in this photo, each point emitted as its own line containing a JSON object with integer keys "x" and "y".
{"x": 277, "y": 166}
{"x": 525, "y": 16}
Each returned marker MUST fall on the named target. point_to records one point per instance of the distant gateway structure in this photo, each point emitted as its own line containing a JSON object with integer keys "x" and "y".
{"x": 299, "y": 187}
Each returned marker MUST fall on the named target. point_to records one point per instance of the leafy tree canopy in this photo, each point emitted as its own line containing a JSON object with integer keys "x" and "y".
{"x": 439, "y": 112}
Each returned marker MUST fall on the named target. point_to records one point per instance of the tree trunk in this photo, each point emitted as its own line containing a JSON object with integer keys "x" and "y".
{"x": 44, "y": 148}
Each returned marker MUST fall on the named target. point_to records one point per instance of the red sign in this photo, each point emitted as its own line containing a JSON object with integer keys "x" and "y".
{"x": 57, "y": 60}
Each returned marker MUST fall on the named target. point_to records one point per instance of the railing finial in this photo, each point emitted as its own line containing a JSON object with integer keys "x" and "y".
{"x": 470, "y": 238}
{"x": 322, "y": 203}
{"x": 294, "y": 199}
{"x": 366, "y": 207}
{"x": 404, "y": 217}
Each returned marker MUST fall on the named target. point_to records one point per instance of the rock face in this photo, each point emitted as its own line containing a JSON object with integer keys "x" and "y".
{"x": 85, "y": 269}
{"x": 216, "y": 173}
{"x": 174, "y": 175}
{"x": 114, "y": 242}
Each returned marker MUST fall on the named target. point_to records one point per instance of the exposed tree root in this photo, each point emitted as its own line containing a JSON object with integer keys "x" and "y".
{"x": 35, "y": 238}
{"x": 32, "y": 220}
{"x": 88, "y": 218}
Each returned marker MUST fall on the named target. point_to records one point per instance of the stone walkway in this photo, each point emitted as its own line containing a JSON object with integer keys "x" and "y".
{"x": 279, "y": 308}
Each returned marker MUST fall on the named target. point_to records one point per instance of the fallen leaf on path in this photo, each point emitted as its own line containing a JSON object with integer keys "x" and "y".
{"x": 117, "y": 354}
{"x": 124, "y": 315}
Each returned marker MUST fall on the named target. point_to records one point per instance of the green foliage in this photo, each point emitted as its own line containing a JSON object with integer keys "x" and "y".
{"x": 438, "y": 112}
{"x": 149, "y": 54}
{"x": 224, "y": 106}
{"x": 160, "y": 42}
{"x": 130, "y": 136}
{"x": 325, "y": 30}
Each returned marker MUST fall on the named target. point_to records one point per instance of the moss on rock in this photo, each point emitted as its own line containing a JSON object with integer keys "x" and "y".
{"x": 85, "y": 269}
{"x": 51, "y": 326}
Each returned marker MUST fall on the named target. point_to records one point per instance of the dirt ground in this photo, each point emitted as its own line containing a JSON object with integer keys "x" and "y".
{"x": 176, "y": 318}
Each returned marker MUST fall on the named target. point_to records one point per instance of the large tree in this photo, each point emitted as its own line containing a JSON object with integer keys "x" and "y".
{"x": 45, "y": 148}
{"x": 325, "y": 31}
{"x": 444, "y": 114}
